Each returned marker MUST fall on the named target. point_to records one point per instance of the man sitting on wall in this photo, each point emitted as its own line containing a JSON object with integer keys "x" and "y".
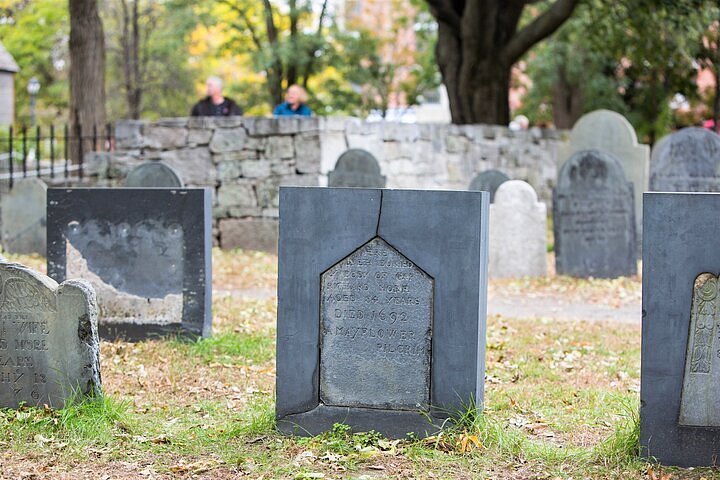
{"x": 215, "y": 105}
{"x": 294, "y": 103}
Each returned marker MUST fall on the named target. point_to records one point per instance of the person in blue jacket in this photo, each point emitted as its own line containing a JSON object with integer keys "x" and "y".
{"x": 294, "y": 103}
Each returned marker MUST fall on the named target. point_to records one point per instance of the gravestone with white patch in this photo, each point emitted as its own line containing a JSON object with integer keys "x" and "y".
{"x": 687, "y": 161}
{"x": 23, "y": 217}
{"x": 518, "y": 235}
{"x": 680, "y": 368}
{"x": 146, "y": 252}
{"x": 594, "y": 218}
{"x": 611, "y": 132}
{"x": 49, "y": 346}
{"x": 356, "y": 168}
{"x": 153, "y": 175}
{"x": 370, "y": 329}
{"x": 488, "y": 181}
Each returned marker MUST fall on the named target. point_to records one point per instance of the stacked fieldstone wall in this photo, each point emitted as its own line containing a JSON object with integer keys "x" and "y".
{"x": 245, "y": 160}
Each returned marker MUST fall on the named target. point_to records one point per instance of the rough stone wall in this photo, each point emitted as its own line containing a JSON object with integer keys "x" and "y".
{"x": 246, "y": 159}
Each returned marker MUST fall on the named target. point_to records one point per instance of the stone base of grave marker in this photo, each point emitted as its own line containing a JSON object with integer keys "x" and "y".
{"x": 381, "y": 308}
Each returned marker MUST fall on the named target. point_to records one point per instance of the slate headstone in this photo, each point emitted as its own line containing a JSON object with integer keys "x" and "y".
{"x": 680, "y": 366}
{"x": 49, "y": 347}
{"x": 24, "y": 219}
{"x": 356, "y": 168}
{"x": 594, "y": 218}
{"x": 153, "y": 175}
{"x": 518, "y": 232}
{"x": 488, "y": 181}
{"x": 146, "y": 252}
{"x": 370, "y": 332}
{"x": 611, "y": 132}
{"x": 687, "y": 161}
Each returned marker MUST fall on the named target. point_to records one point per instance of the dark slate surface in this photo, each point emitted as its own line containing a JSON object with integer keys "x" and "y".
{"x": 687, "y": 161}
{"x": 488, "y": 181}
{"x": 356, "y": 168}
{"x": 153, "y": 175}
{"x": 677, "y": 246}
{"x": 594, "y": 218}
{"x": 143, "y": 242}
{"x": 443, "y": 233}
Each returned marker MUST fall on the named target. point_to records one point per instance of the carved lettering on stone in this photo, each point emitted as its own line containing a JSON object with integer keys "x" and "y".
{"x": 376, "y": 328}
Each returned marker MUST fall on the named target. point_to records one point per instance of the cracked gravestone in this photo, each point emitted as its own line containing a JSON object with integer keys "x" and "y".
{"x": 369, "y": 333}
{"x": 153, "y": 175}
{"x": 594, "y": 218}
{"x": 146, "y": 252}
{"x": 356, "y": 168}
{"x": 49, "y": 347}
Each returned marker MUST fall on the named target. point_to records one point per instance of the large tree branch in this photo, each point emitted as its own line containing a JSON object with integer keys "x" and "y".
{"x": 444, "y": 11}
{"x": 541, "y": 27}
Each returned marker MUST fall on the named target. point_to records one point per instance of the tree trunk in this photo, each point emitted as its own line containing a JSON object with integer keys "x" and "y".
{"x": 567, "y": 101}
{"x": 478, "y": 43}
{"x": 87, "y": 72}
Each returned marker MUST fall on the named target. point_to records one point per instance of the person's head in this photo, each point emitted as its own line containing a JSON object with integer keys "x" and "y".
{"x": 295, "y": 95}
{"x": 214, "y": 87}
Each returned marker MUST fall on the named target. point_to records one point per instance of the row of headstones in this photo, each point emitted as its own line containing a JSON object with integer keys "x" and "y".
{"x": 381, "y": 306}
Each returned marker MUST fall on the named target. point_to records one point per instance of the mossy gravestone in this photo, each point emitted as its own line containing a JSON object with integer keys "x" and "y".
{"x": 49, "y": 347}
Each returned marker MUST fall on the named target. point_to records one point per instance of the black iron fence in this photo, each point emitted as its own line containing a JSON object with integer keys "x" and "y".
{"x": 50, "y": 152}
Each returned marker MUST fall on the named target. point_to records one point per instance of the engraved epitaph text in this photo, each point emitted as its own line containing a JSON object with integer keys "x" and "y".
{"x": 700, "y": 401}
{"x": 376, "y": 327}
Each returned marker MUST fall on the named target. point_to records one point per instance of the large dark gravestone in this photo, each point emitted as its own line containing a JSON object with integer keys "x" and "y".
{"x": 153, "y": 175}
{"x": 687, "y": 161}
{"x": 49, "y": 347}
{"x": 356, "y": 168}
{"x": 146, "y": 252}
{"x": 488, "y": 181}
{"x": 680, "y": 372}
{"x": 370, "y": 329}
{"x": 594, "y": 219}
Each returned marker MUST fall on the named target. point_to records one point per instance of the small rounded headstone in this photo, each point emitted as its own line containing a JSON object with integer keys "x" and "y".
{"x": 488, "y": 181}
{"x": 153, "y": 175}
{"x": 687, "y": 161}
{"x": 356, "y": 168}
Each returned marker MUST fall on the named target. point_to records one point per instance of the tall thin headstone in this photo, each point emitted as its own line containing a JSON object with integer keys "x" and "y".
{"x": 370, "y": 332}
{"x": 153, "y": 175}
{"x": 594, "y": 218}
{"x": 687, "y": 161}
{"x": 356, "y": 168}
{"x": 49, "y": 347}
{"x": 24, "y": 218}
{"x": 611, "y": 132}
{"x": 488, "y": 181}
{"x": 518, "y": 232}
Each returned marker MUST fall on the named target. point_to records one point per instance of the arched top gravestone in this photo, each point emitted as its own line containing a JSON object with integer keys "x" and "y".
{"x": 153, "y": 175}
{"x": 687, "y": 161}
{"x": 24, "y": 220}
{"x": 356, "y": 168}
{"x": 518, "y": 243}
{"x": 488, "y": 181}
{"x": 594, "y": 219}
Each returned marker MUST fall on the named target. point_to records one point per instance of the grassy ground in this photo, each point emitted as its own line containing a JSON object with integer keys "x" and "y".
{"x": 561, "y": 403}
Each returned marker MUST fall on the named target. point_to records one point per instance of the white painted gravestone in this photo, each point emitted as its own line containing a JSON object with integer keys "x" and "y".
{"x": 611, "y": 132}
{"x": 24, "y": 217}
{"x": 49, "y": 347}
{"x": 518, "y": 238}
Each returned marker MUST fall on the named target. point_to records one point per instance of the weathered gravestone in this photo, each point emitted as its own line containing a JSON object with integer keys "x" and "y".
{"x": 23, "y": 217}
{"x": 680, "y": 371}
{"x": 611, "y": 132}
{"x": 49, "y": 347}
{"x": 371, "y": 331}
{"x": 518, "y": 236}
{"x": 153, "y": 175}
{"x": 488, "y": 181}
{"x": 594, "y": 220}
{"x": 687, "y": 161}
{"x": 146, "y": 252}
{"x": 356, "y": 168}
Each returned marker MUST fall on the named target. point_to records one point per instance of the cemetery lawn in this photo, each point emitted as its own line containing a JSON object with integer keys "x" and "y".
{"x": 561, "y": 402}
